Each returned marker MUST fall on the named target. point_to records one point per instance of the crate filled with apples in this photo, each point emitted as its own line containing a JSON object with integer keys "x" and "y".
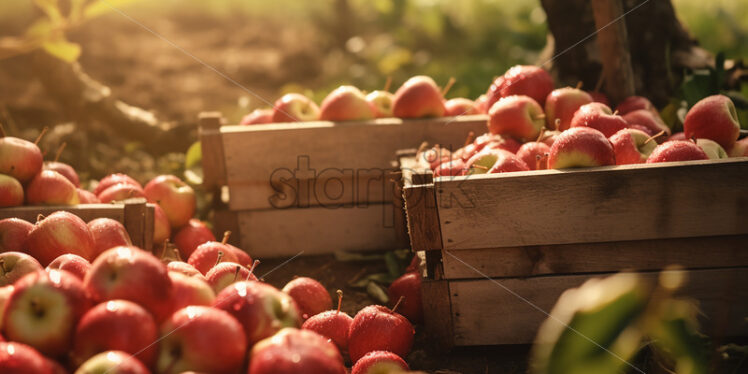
{"x": 561, "y": 189}
{"x": 297, "y": 169}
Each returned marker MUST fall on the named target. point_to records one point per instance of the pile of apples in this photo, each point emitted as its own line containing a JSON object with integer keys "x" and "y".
{"x": 78, "y": 297}
{"x": 532, "y": 126}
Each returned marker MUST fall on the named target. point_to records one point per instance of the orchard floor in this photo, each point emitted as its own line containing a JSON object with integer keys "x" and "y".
{"x": 336, "y": 275}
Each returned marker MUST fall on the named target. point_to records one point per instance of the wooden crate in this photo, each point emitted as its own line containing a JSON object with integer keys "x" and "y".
{"x": 315, "y": 187}
{"x": 499, "y": 244}
{"x": 135, "y": 214}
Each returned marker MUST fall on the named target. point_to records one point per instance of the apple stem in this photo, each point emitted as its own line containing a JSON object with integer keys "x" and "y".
{"x": 340, "y": 300}
{"x": 236, "y": 273}
{"x": 557, "y": 122}
{"x": 252, "y": 269}
{"x": 219, "y": 258}
{"x": 39, "y": 217}
{"x": 176, "y": 252}
{"x": 397, "y": 304}
{"x": 449, "y": 85}
{"x": 579, "y": 85}
{"x": 469, "y": 139}
{"x": 656, "y": 136}
{"x": 388, "y": 83}
{"x": 41, "y": 134}
{"x": 539, "y": 116}
{"x": 480, "y": 167}
{"x": 226, "y": 236}
{"x": 59, "y": 151}
{"x": 541, "y": 135}
{"x": 2, "y": 130}
{"x": 615, "y": 113}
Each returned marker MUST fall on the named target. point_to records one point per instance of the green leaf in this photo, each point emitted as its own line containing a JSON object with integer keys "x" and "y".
{"x": 51, "y": 8}
{"x": 393, "y": 265}
{"x": 697, "y": 86}
{"x": 383, "y": 278}
{"x": 76, "y": 10}
{"x": 98, "y": 7}
{"x": 377, "y": 293}
{"x": 63, "y": 49}
{"x": 194, "y": 156}
{"x": 42, "y": 29}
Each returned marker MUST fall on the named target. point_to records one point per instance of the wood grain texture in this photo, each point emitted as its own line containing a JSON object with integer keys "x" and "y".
{"x": 423, "y": 218}
{"x": 620, "y": 203}
{"x": 438, "y": 313}
{"x": 485, "y": 313}
{"x": 316, "y": 230}
{"x": 211, "y": 144}
{"x": 258, "y": 158}
{"x": 690, "y": 253}
{"x": 612, "y": 40}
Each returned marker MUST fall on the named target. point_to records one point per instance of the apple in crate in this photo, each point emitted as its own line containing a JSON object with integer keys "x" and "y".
{"x": 108, "y": 233}
{"x": 116, "y": 325}
{"x": 377, "y": 328}
{"x": 17, "y": 358}
{"x": 112, "y": 362}
{"x": 516, "y": 116}
{"x": 677, "y": 150}
{"x": 13, "y": 234}
{"x": 261, "y": 309}
{"x": 561, "y": 104}
{"x": 332, "y": 324}
{"x": 11, "y": 191}
{"x": 51, "y": 188}
{"x": 129, "y": 273}
{"x": 460, "y": 107}
{"x": 374, "y": 358}
{"x": 258, "y": 117}
{"x": 534, "y": 155}
{"x": 634, "y": 103}
{"x": 120, "y": 192}
{"x": 226, "y": 274}
{"x": 632, "y": 146}
{"x": 65, "y": 170}
{"x": 345, "y": 103}
{"x": 187, "y": 290}
{"x": 14, "y": 265}
{"x": 189, "y": 237}
{"x": 294, "y": 107}
{"x": 5, "y": 293}
{"x": 60, "y": 233}
{"x": 175, "y": 197}
{"x": 112, "y": 179}
{"x": 161, "y": 226}
{"x": 712, "y": 149}
{"x": 650, "y": 121}
{"x": 184, "y": 268}
{"x": 713, "y": 118}
{"x": 524, "y": 80}
{"x": 293, "y": 351}
{"x": 87, "y": 197}
{"x": 201, "y": 339}
{"x": 740, "y": 149}
{"x": 581, "y": 147}
{"x": 71, "y": 263}
{"x": 418, "y": 97}
{"x": 381, "y": 102}
{"x": 20, "y": 159}
{"x": 44, "y": 309}
{"x": 599, "y": 117}
{"x": 310, "y": 296}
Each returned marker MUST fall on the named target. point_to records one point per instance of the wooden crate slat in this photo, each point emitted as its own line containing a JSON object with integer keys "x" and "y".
{"x": 691, "y": 253}
{"x": 484, "y": 313}
{"x": 423, "y": 220}
{"x": 316, "y": 230}
{"x": 630, "y": 202}
{"x": 211, "y": 144}
{"x": 438, "y": 312}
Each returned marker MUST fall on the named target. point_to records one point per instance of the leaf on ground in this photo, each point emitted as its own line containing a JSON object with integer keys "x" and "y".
{"x": 377, "y": 293}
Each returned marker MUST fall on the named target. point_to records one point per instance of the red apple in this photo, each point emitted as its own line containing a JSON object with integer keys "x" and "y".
{"x": 376, "y": 328}
{"x": 346, "y": 103}
{"x": 189, "y": 237}
{"x": 451, "y": 168}
{"x": 60, "y": 233}
{"x": 310, "y": 296}
{"x": 535, "y": 155}
{"x": 51, "y": 188}
{"x": 258, "y": 117}
{"x": 712, "y": 149}
{"x": 740, "y": 149}
{"x": 201, "y": 338}
{"x": 633, "y": 103}
{"x": 184, "y": 268}
{"x": 132, "y": 274}
{"x": 332, "y": 324}
{"x": 243, "y": 257}
{"x": 632, "y": 146}
{"x": 11, "y": 191}
{"x": 495, "y": 161}
{"x": 599, "y": 97}
{"x": 381, "y": 102}
{"x": 86, "y": 197}
{"x": 504, "y": 143}
{"x": 112, "y": 362}
{"x": 209, "y": 254}
{"x": 678, "y": 136}
{"x": 549, "y": 137}
{"x": 175, "y": 197}
{"x": 647, "y": 119}
{"x": 65, "y": 170}
{"x": 525, "y": 80}
{"x": 14, "y": 265}
{"x": 293, "y": 351}
{"x": 367, "y": 362}
{"x": 460, "y": 107}
{"x": 71, "y": 263}
{"x": 418, "y": 97}
{"x": 161, "y": 226}
{"x": 187, "y": 290}
{"x": 294, "y": 107}
{"x": 677, "y": 150}
{"x": 561, "y": 105}
{"x": 19, "y": 158}
{"x": 408, "y": 286}
{"x": 17, "y": 358}
{"x": 713, "y": 118}
{"x": 112, "y": 179}
{"x": 260, "y": 308}
{"x": 5, "y": 293}
{"x": 108, "y": 233}
{"x": 517, "y": 116}
{"x": 581, "y": 147}
{"x": 119, "y": 192}
{"x": 116, "y": 325}
{"x": 13, "y": 234}
{"x": 599, "y": 117}
{"x": 226, "y": 274}
{"x": 43, "y": 310}
{"x": 481, "y": 104}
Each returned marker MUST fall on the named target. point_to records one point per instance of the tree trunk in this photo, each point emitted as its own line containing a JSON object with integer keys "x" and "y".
{"x": 660, "y": 46}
